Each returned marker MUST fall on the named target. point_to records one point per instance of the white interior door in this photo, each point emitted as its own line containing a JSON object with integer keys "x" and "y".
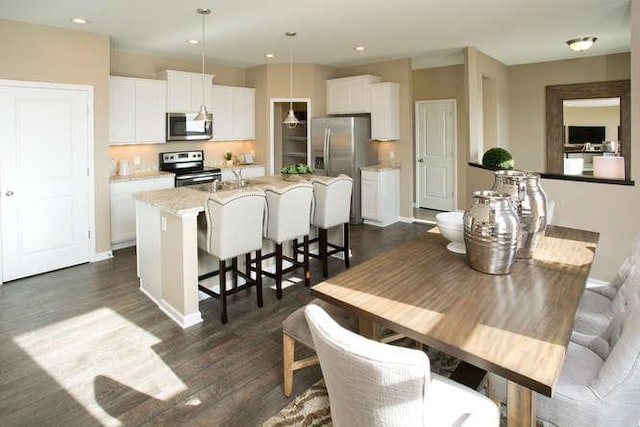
{"x": 435, "y": 154}
{"x": 44, "y": 170}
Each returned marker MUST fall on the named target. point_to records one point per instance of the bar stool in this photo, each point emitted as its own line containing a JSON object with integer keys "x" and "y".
{"x": 288, "y": 214}
{"x": 332, "y": 206}
{"x": 234, "y": 228}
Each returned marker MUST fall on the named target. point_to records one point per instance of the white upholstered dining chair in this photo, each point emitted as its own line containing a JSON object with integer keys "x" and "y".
{"x": 599, "y": 384}
{"x": 374, "y": 384}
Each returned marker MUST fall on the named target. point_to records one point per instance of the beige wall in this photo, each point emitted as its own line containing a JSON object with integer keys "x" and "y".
{"x": 527, "y": 99}
{"x": 398, "y": 71}
{"x": 272, "y": 81}
{"x": 47, "y": 54}
{"x": 447, "y": 83}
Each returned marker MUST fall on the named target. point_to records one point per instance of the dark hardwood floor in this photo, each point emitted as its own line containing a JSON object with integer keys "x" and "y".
{"x": 83, "y": 346}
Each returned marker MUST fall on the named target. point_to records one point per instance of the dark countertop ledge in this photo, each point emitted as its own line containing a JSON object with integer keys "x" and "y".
{"x": 579, "y": 178}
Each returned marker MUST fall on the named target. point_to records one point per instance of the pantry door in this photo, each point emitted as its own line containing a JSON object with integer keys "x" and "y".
{"x": 44, "y": 176}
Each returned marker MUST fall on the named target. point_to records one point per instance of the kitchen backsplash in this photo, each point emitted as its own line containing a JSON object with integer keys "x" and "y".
{"x": 148, "y": 153}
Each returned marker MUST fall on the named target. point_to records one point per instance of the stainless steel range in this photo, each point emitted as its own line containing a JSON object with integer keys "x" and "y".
{"x": 188, "y": 167}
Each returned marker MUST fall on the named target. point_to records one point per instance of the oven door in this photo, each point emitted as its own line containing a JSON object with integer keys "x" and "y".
{"x": 197, "y": 178}
{"x": 183, "y": 127}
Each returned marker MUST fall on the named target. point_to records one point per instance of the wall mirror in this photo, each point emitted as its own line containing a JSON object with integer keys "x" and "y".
{"x": 579, "y": 119}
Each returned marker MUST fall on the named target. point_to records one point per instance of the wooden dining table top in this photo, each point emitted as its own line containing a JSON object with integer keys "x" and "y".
{"x": 516, "y": 325}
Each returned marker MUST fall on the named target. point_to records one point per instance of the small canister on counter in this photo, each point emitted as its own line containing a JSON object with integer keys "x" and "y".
{"x": 491, "y": 232}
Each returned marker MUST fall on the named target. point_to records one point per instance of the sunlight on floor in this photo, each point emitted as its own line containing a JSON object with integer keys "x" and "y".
{"x": 79, "y": 351}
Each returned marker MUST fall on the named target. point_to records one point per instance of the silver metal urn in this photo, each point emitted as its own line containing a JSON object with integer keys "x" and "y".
{"x": 491, "y": 232}
{"x": 530, "y": 203}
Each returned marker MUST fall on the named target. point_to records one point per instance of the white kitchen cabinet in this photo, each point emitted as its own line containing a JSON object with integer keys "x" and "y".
{"x": 137, "y": 110}
{"x": 184, "y": 91}
{"x": 385, "y": 111}
{"x": 349, "y": 95}
{"x": 380, "y": 195}
{"x": 123, "y": 211}
{"x": 233, "y": 113}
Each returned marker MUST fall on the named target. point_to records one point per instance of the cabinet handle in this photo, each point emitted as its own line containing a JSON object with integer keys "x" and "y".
{"x": 9, "y": 193}
{"x": 421, "y": 160}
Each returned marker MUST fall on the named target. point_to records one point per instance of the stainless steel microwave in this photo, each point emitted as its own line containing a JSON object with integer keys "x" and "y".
{"x": 183, "y": 127}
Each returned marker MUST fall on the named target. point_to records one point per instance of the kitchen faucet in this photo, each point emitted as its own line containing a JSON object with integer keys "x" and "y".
{"x": 238, "y": 175}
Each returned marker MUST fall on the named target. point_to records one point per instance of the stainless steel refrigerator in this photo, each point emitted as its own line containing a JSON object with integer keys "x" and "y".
{"x": 343, "y": 145}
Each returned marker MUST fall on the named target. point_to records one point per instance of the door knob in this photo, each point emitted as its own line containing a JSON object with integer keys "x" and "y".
{"x": 421, "y": 160}
{"x": 9, "y": 193}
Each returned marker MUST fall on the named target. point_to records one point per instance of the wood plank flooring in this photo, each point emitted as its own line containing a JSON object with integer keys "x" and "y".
{"x": 83, "y": 346}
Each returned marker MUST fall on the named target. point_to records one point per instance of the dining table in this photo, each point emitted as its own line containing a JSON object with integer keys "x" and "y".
{"x": 516, "y": 325}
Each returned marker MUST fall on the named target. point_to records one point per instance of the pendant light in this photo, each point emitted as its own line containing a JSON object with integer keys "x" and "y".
{"x": 203, "y": 114}
{"x": 291, "y": 122}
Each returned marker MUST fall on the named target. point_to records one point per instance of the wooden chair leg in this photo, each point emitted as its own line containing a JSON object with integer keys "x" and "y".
{"x": 279, "y": 270}
{"x": 323, "y": 251}
{"x": 247, "y": 264}
{"x": 307, "y": 272}
{"x": 234, "y": 271}
{"x": 347, "y": 261}
{"x": 295, "y": 250}
{"x": 288, "y": 353}
{"x": 223, "y": 291}
{"x": 259, "y": 277}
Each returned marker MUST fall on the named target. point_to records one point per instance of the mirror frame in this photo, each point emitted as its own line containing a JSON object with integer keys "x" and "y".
{"x": 555, "y": 95}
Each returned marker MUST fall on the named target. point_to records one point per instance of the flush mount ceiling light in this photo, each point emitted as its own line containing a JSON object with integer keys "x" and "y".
{"x": 269, "y": 55}
{"x": 203, "y": 114}
{"x": 291, "y": 122}
{"x": 359, "y": 48}
{"x": 79, "y": 20}
{"x": 581, "y": 43}
{"x": 193, "y": 41}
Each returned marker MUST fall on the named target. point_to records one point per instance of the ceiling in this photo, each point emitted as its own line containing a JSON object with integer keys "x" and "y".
{"x": 430, "y": 32}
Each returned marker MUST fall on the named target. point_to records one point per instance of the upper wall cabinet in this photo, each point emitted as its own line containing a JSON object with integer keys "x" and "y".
{"x": 234, "y": 113}
{"x": 184, "y": 91}
{"x": 349, "y": 95}
{"x": 137, "y": 110}
{"x": 385, "y": 111}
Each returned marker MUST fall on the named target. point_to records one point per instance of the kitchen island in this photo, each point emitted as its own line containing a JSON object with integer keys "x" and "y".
{"x": 167, "y": 245}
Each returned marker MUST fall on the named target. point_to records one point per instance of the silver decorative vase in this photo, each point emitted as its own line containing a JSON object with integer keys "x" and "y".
{"x": 530, "y": 203}
{"x": 491, "y": 232}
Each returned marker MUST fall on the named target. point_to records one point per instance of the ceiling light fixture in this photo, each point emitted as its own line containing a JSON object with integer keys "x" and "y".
{"x": 359, "y": 48}
{"x": 79, "y": 20}
{"x": 291, "y": 122}
{"x": 581, "y": 43}
{"x": 269, "y": 55}
{"x": 203, "y": 114}
{"x": 193, "y": 41}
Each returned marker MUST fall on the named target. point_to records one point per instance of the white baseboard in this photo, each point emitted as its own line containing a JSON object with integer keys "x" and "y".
{"x": 183, "y": 321}
{"x": 595, "y": 282}
{"x": 101, "y": 256}
{"x": 405, "y": 219}
{"x": 122, "y": 245}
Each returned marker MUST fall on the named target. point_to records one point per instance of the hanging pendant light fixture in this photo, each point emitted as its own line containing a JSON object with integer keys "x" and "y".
{"x": 203, "y": 114}
{"x": 291, "y": 122}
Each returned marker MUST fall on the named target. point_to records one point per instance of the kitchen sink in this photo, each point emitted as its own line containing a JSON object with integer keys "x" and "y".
{"x": 223, "y": 185}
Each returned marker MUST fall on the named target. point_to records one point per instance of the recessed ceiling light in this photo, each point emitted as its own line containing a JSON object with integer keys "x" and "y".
{"x": 193, "y": 41}
{"x": 359, "y": 48}
{"x": 79, "y": 20}
{"x": 581, "y": 43}
{"x": 269, "y": 55}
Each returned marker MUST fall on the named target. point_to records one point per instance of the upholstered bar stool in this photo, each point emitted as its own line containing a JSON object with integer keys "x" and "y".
{"x": 288, "y": 214}
{"x": 332, "y": 206}
{"x": 234, "y": 228}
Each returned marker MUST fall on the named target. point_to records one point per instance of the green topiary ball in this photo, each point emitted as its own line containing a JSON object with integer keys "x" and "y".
{"x": 498, "y": 158}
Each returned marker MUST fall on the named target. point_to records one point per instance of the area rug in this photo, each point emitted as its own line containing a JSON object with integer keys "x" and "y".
{"x": 311, "y": 408}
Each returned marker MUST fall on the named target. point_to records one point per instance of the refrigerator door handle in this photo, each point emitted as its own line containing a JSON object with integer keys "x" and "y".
{"x": 327, "y": 135}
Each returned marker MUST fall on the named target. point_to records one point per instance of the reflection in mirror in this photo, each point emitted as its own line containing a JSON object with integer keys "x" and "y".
{"x": 591, "y": 131}
{"x": 588, "y": 129}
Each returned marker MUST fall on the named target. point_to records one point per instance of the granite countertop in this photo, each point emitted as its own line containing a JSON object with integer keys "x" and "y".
{"x": 239, "y": 166}
{"x": 139, "y": 175}
{"x": 191, "y": 199}
{"x": 379, "y": 168}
